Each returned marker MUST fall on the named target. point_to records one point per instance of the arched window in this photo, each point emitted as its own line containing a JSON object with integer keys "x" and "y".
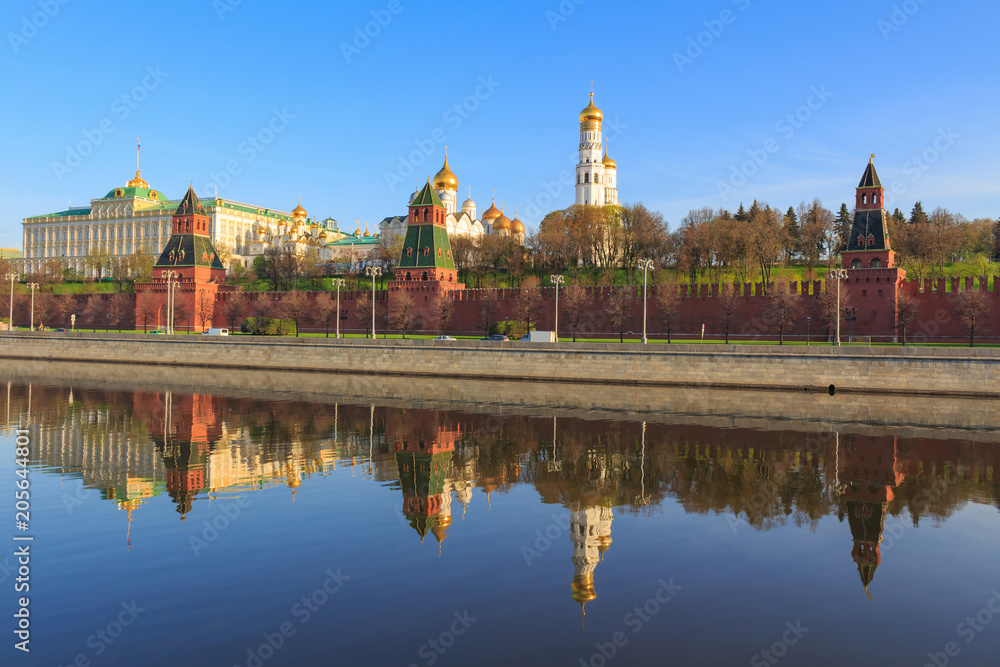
{"x": 856, "y": 264}
{"x": 875, "y": 198}
{"x": 864, "y": 293}
{"x": 876, "y": 263}
{"x": 864, "y": 199}
{"x": 578, "y": 179}
{"x": 586, "y": 178}
{"x": 424, "y": 276}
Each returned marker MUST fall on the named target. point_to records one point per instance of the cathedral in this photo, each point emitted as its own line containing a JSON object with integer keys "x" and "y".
{"x": 460, "y": 221}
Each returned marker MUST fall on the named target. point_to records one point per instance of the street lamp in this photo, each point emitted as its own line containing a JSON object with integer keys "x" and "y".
{"x": 645, "y": 265}
{"x": 838, "y": 275}
{"x": 373, "y": 271}
{"x": 10, "y": 320}
{"x": 32, "y": 287}
{"x": 339, "y": 282}
{"x": 851, "y": 314}
{"x": 171, "y": 277}
{"x": 809, "y": 322}
{"x": 557, "y": 280}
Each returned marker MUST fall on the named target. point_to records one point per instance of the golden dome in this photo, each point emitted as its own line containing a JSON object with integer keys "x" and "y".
{"x": 445, "y": 179}
{"x": 502, "y": 223}
{"x": 357, "y": 232}
{"x": 516, "y": 226}
{"x": 298, "y": 211}
{"x": 137, "y": 182}
{"x": 590, "y": 113}
{"x": 582, "y": 589}
{"x": 604, "y": 543}
{"x": 367, "y": 234}
{"x": 492, "y": 213}
{"x": 608, "y": 162}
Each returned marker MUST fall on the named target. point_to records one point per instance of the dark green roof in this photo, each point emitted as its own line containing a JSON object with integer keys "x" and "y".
{"x": 870, "y": 177}
{"x": 190, "y": 204}
{"x": 870, "y": 231}
{"x": 132, "y": 192}
{"x": 427, "y": 197}
{"x": 189, "y": 250}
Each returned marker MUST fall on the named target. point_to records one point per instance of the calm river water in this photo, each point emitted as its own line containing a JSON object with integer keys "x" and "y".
{"x": 185, "y": 528}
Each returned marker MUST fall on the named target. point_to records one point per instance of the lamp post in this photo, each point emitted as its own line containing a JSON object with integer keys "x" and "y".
{"x": 557, "y": 280}
{"x": 809, "y": 322}
{"x": 851, "y": 314}
{"x": 339, "y": 282}
{"x": 171, "y": 286}
{"x": 10, "y": 320}
{"x": 32, "y": 287}
{"x": 645, "y": 265}
{"x": 373, "y": 271}
{"x": 838, "y": 275}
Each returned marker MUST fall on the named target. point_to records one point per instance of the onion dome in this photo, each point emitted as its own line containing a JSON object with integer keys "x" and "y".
{"x": 137, "y": 182}
{"x": 445, "y": 179}
{"x": 582, "y": 589}
{"x": 367, "y": 234}
{"x": 468, "y": 203}
{"x": 608, "y": 162}
{"x": 415, "y": 193}
{"x": 298, "y": 211}
{"x": 502, "y": 223}
{"x": 322, "y": 236}
{"x": 357, "y": 232}
{"x": 516, "y": 226}
{"x": 492, "y": 213}
{"x": 590, "y": 113}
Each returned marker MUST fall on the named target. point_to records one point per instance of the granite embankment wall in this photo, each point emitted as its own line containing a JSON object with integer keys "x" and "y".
{"x": 940, "y": 371}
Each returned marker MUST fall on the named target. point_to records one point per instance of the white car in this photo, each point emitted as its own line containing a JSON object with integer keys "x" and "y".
{"x": 216, "y": 332}
{"x": 445, "y": 338}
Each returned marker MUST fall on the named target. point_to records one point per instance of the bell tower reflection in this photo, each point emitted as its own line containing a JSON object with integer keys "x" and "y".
{"x": 869, "y": 470}
{"x": 423, "y": 443}
{"x": 590, "y": 532}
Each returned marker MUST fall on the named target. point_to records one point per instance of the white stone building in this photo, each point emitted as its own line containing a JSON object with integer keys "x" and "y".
{"x": 596, "y": 176}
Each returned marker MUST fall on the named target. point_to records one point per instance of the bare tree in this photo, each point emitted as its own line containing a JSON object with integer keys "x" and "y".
{"x": 488, "y": 306}
{"x": 363, "y": 311}
{"x": 973, "y": 309}
{"x": 619, "y": 305}
{"x": 146, "y": 309}
{"x": 204, "y": 309}
{"x": 574, "y": 307}
{"x": 93, "y": 311}
{"x": 296, "y": 306}
{"x": 232, "y": 308}
{"x": 667, "y": 302}
{"x": 444, "y": 312}
{"x": 326, "y": 310}
{"x": 729, "y": 302}
{"x": 906, "y": 312}
{"x": 263, "y": 308}
{"x": 401, "y": 311}
{"x": 828, "y": 303}
{"x": 784, "y": 306}
{"x": 528, "y": 302}
{"x": 118, "y": 309}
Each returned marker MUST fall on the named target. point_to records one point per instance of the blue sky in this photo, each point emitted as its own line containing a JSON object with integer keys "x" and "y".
{"x": 706, "y": 104}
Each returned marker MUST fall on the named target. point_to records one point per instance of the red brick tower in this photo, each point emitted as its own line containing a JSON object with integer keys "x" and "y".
{"x": 199, "y": 272}
{"x": 873, "y": 278}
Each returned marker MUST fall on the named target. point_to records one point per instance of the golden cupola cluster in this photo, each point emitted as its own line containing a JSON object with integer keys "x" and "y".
{"x": 137, "y": 182}
{"x": 299, "y": 212}
{"x": 502, "y": 223}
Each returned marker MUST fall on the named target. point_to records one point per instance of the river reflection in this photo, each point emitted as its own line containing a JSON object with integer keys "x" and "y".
{"x": 757, "y": 526}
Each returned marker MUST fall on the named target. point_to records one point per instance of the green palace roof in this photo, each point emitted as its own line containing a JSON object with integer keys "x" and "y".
{"x": 131, "y": 192}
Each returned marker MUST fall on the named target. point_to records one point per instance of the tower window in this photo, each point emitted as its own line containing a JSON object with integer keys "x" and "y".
{"x": 864, "y": 199}
{"x": 586, "y": 177}
{"x": 874, "y": 198}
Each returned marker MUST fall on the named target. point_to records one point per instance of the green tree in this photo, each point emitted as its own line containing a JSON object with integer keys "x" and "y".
{"x": 844, "y": 224}
{"x": 793, "y": 234}
{"x": 917, "y": 215}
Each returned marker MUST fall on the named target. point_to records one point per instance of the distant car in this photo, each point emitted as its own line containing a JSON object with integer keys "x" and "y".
{"x": 216, "y": 332}
{"x": 162, "y": 333}
{"x": 525, "y": 338}
{"x": 60, "y": 330}
{"x": 499, "y": 337}
{"x": 445, "y": 338}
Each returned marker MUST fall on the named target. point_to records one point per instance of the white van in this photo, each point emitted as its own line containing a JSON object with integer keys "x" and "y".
{"x": 216, "y": 332}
